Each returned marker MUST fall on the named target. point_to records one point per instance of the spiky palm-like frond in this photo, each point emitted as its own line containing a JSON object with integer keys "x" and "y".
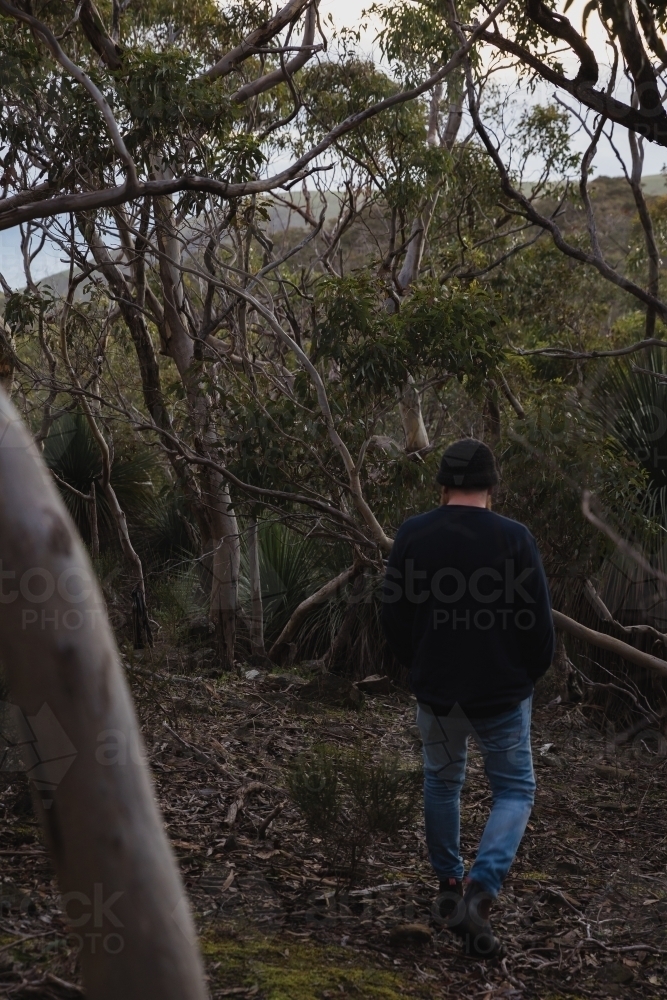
{"x": 291, "y": 568}
{"x": 72, "y": 453}
{"x": 166, "y": 534}
{"x": 632, "y": 405}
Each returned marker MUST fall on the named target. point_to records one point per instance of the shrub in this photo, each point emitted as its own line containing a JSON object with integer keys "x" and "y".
{"x": 313, "y": 784}
{"x": 350, "y": 800}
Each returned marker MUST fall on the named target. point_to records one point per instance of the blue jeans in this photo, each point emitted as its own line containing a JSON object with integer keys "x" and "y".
{"x": 504, "y": 741}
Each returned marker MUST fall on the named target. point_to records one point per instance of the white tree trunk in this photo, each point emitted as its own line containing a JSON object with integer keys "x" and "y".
{"x": 412, "y": 419}
{"x": 120, "y": 884}
{"x": 222, "y": 524}
{"x": 225, "y": 566}
{"x": 416, "y": 437}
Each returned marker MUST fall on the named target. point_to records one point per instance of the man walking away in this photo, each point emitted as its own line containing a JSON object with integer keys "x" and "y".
{"x": 467, "y": 608}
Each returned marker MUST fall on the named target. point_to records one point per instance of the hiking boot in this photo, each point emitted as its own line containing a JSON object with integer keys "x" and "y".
{"x": 474, "y": 926}
{"x": 449, "y": 901}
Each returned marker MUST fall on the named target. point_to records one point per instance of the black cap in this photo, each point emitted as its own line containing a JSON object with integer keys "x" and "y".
{"x": 468, "y": 464}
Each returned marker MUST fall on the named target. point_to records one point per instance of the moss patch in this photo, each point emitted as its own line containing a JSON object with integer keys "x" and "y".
{"x": 285, "y": 969}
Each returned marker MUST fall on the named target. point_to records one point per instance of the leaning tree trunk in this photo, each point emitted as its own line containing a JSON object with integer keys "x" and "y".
{"x": 90, "y": 781}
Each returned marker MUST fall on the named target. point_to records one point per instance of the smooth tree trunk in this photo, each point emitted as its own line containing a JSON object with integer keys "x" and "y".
{"x": 225, "y": 567}
{"x": 254, "y": 574}
{"x": 414, "y": 428}
{"x": 120, "y": 885}
{"x": 223, "y": 541}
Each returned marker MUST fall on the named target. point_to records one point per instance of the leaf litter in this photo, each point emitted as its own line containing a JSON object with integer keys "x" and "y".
{"x": 582, "y": 914}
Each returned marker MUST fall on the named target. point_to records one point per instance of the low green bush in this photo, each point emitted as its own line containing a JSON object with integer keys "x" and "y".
{"x": 350, "y": 800}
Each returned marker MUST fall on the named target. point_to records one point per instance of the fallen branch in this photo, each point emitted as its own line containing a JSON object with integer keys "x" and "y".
{"x": 306, "y": 606}
{"x": 236, "y": 806}
{"x": 266, "y": 823}
{"x": 610, "y": 643}
{"x": 606, "y": 614}
{"x": 199, "y": 755}
{"x": 627, "y": 947}
{"x": 27, "y": 937}
{"x": 644, "y": 723}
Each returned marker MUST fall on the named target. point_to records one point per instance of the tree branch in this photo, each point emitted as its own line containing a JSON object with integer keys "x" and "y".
{"x": 602, "y": 103}
{"x": 364, "y": 510}
{"x": 96, "y": 33}
{"x": 610, "y": 643}
{"x": 270, "y": 80}
{"x": 260, "y": 36}
{"x": 570, "y": 355}
{"x": 621, "y": 543}
{"x": 646, "y": 85}
{"x": 111, "y": 197}
{"x": 549, "y": 224}
{"x": 75, "y": 71}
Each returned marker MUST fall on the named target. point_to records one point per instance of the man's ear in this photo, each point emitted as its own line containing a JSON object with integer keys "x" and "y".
{"x": 489, "y": 500}
{"x": 444, "y": 496}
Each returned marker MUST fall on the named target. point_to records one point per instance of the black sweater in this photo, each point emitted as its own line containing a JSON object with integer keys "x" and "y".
{"x": 466, "y": 606}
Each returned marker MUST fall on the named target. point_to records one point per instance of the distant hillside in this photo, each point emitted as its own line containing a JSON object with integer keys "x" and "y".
{"x": 611, "y": 194}
{"x": 655, "y": 184}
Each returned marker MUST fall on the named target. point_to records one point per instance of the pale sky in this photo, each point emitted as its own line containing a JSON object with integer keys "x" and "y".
{"x": 348, "y": 13}
{"x": 606, "y": 162}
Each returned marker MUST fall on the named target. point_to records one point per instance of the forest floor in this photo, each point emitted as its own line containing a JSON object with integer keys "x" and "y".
{"x": 582, "y": 914}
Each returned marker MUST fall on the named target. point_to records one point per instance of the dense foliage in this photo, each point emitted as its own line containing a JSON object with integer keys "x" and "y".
{"x": 261, "y": 366}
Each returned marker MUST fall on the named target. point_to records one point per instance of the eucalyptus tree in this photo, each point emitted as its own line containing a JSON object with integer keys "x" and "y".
{"x": 537, "y": 38}
{"x": 164, "y": 206}
{"x": 172, "y": 203}
{"x": 162, "y": 146}
{"x": 181, "y": 322}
